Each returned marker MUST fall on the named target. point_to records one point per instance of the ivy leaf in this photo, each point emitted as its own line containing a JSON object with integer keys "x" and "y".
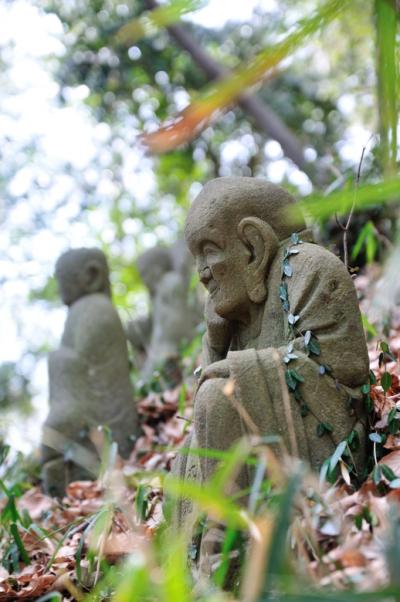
{"x": 287, "y": 268}
{"x": 395, "y": 484}
{"x": 289, "y": 357}
{"x": 292, "y": 319}
{"x": 366, "y": 389}
{"x": 314, "y": 346}
{"x": 386, "y": 381}
{"x": 388, "y": 472}
{"x": 353, "y": 440}
{"x": 375, "y": 437}
{"x": 292, "y": 251}
{"x": 322, "y": 370}
{"x": 307, "y": 338}
{"x": 304, "y": 409}
{"x": 292, "y": 379}
{"x": 372, "y": 378}
{"x": 324, "y": 427}
{"x": 283, "y": 295}
{"x": 384, "y": 347}
{"x": 377, "y": 474}
{"x": 337, "y": 454}
{"x": 295, "y": 238}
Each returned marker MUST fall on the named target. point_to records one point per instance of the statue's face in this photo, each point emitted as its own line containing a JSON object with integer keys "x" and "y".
{"x": 69, "y": 285}
{"x": 220, "y": 261}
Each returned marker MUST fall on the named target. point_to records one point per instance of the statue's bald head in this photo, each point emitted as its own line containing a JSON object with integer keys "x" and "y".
{"x": 81, "y": 272}
{"x": 224, "y": 202}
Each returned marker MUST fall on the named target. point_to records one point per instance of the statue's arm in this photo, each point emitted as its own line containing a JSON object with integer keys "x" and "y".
{"x": 138, "y": 332}
{"x": 217, "y": 338}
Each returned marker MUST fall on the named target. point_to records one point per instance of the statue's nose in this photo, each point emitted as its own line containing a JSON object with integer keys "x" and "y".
{"x": 205, "y": 276}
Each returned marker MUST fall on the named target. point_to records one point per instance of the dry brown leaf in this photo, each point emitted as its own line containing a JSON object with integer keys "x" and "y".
{"x": 36, "y": 503}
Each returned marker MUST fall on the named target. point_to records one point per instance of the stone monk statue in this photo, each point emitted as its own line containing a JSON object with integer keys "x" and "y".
{"x": 280, "y": 309}
{"x": 89, "y": 380}
{"x": 174, "y": 315}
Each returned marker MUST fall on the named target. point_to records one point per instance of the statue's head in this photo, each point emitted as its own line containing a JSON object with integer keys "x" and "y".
{"x": 233, "y": 229}
{"x": 153, "y": 264}
{"x": 82, "y": 272}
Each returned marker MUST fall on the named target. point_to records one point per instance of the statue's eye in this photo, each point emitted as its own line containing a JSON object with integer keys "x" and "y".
{"x": 210, "y": 248}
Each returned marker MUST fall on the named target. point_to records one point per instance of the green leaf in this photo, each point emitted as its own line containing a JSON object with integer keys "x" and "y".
{"x": 151, "y": 21}
{"x": 386, "y": 381}
{"x": 341, "y": 202}
{"x": 386, "y": 12}
{"x": 372, "y": 378}
{"x": 388, "y": 472}
{"x": 314, "y": 346}
{"x": 278, "y": 551}
{"x": 337, "y": 454}
{"x": 23, "y": 553}
{"x": 287, "y": 269}
{"x": 324, "y": 427}
{"x": 377, "y": 474}
{"x": 368, "y": 327}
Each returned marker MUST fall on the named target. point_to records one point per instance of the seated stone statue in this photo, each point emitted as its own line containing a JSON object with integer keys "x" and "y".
{"x": 89, "y": 379}
{"x": 156, "y": 338}
{"x": 280, "y": 309}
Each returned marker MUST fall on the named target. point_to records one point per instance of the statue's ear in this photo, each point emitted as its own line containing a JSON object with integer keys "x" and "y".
{"x": 262, "y": 243}
{"x": 93, "y": 275}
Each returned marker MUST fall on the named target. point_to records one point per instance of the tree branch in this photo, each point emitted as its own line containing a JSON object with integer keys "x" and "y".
{"x": 266, "y": 119}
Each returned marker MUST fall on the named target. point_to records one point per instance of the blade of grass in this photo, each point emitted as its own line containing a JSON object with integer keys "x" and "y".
{"x": 208, "y": 499}
{"x": 21, "y": 548}
{"x": 176, "y": 583}
{"x": 277, "y": 552}
{"x": 341, "y": 202}
{"x": 387, "y": 77}
{"x": 150, "y": 22}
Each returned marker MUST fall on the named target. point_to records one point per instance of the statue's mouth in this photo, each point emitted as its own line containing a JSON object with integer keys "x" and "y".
{"x": 212, "y": 287}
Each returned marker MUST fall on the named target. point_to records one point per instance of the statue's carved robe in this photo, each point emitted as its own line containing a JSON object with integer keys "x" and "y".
{"x": 321, "y": 292}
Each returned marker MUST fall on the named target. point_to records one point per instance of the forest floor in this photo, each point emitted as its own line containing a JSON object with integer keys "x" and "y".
{"x": 47, "y": 544}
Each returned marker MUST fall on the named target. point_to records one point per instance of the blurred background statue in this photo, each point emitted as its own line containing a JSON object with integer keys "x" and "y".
{"x": 89, "y": 376}
{"x": 174, "y": 314}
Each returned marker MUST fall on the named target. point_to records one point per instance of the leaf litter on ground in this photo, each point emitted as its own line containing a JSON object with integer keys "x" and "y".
{"x": 340, "y": 537}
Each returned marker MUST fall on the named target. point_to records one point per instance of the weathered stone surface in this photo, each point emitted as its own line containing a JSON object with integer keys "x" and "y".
{"x": 278, "y": 306}
{"x": 89, "y": 380}
{"x": 174, "y": 316}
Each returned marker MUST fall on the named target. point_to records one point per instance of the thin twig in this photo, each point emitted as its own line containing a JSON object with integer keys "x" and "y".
{"x": 345, "y": 229}
{"x": 294, "y": 450}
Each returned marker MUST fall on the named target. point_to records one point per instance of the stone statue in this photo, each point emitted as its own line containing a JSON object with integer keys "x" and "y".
{"x": 156, "y": 338}
{"x": 280, "y": 309}
{"x": 89, "y": 379}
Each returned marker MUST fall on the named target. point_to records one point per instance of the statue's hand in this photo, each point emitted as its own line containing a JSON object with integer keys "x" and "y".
{"x": 215, "y": 370}
{"x": 219, "y": 331}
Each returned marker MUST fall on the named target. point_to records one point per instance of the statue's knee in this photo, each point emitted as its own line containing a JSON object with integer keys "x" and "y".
{"x": 210, "y": 400}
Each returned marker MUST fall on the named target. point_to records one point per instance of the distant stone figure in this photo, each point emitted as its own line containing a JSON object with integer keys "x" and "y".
{"x": 89, "y": 380}
{"x": 280, "y": 310}
{"x": 174, "y": 315}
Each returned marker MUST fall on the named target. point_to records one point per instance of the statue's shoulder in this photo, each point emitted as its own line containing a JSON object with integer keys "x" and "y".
{"x": 96, "y": 308}
{"x": 317, "y": 258}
